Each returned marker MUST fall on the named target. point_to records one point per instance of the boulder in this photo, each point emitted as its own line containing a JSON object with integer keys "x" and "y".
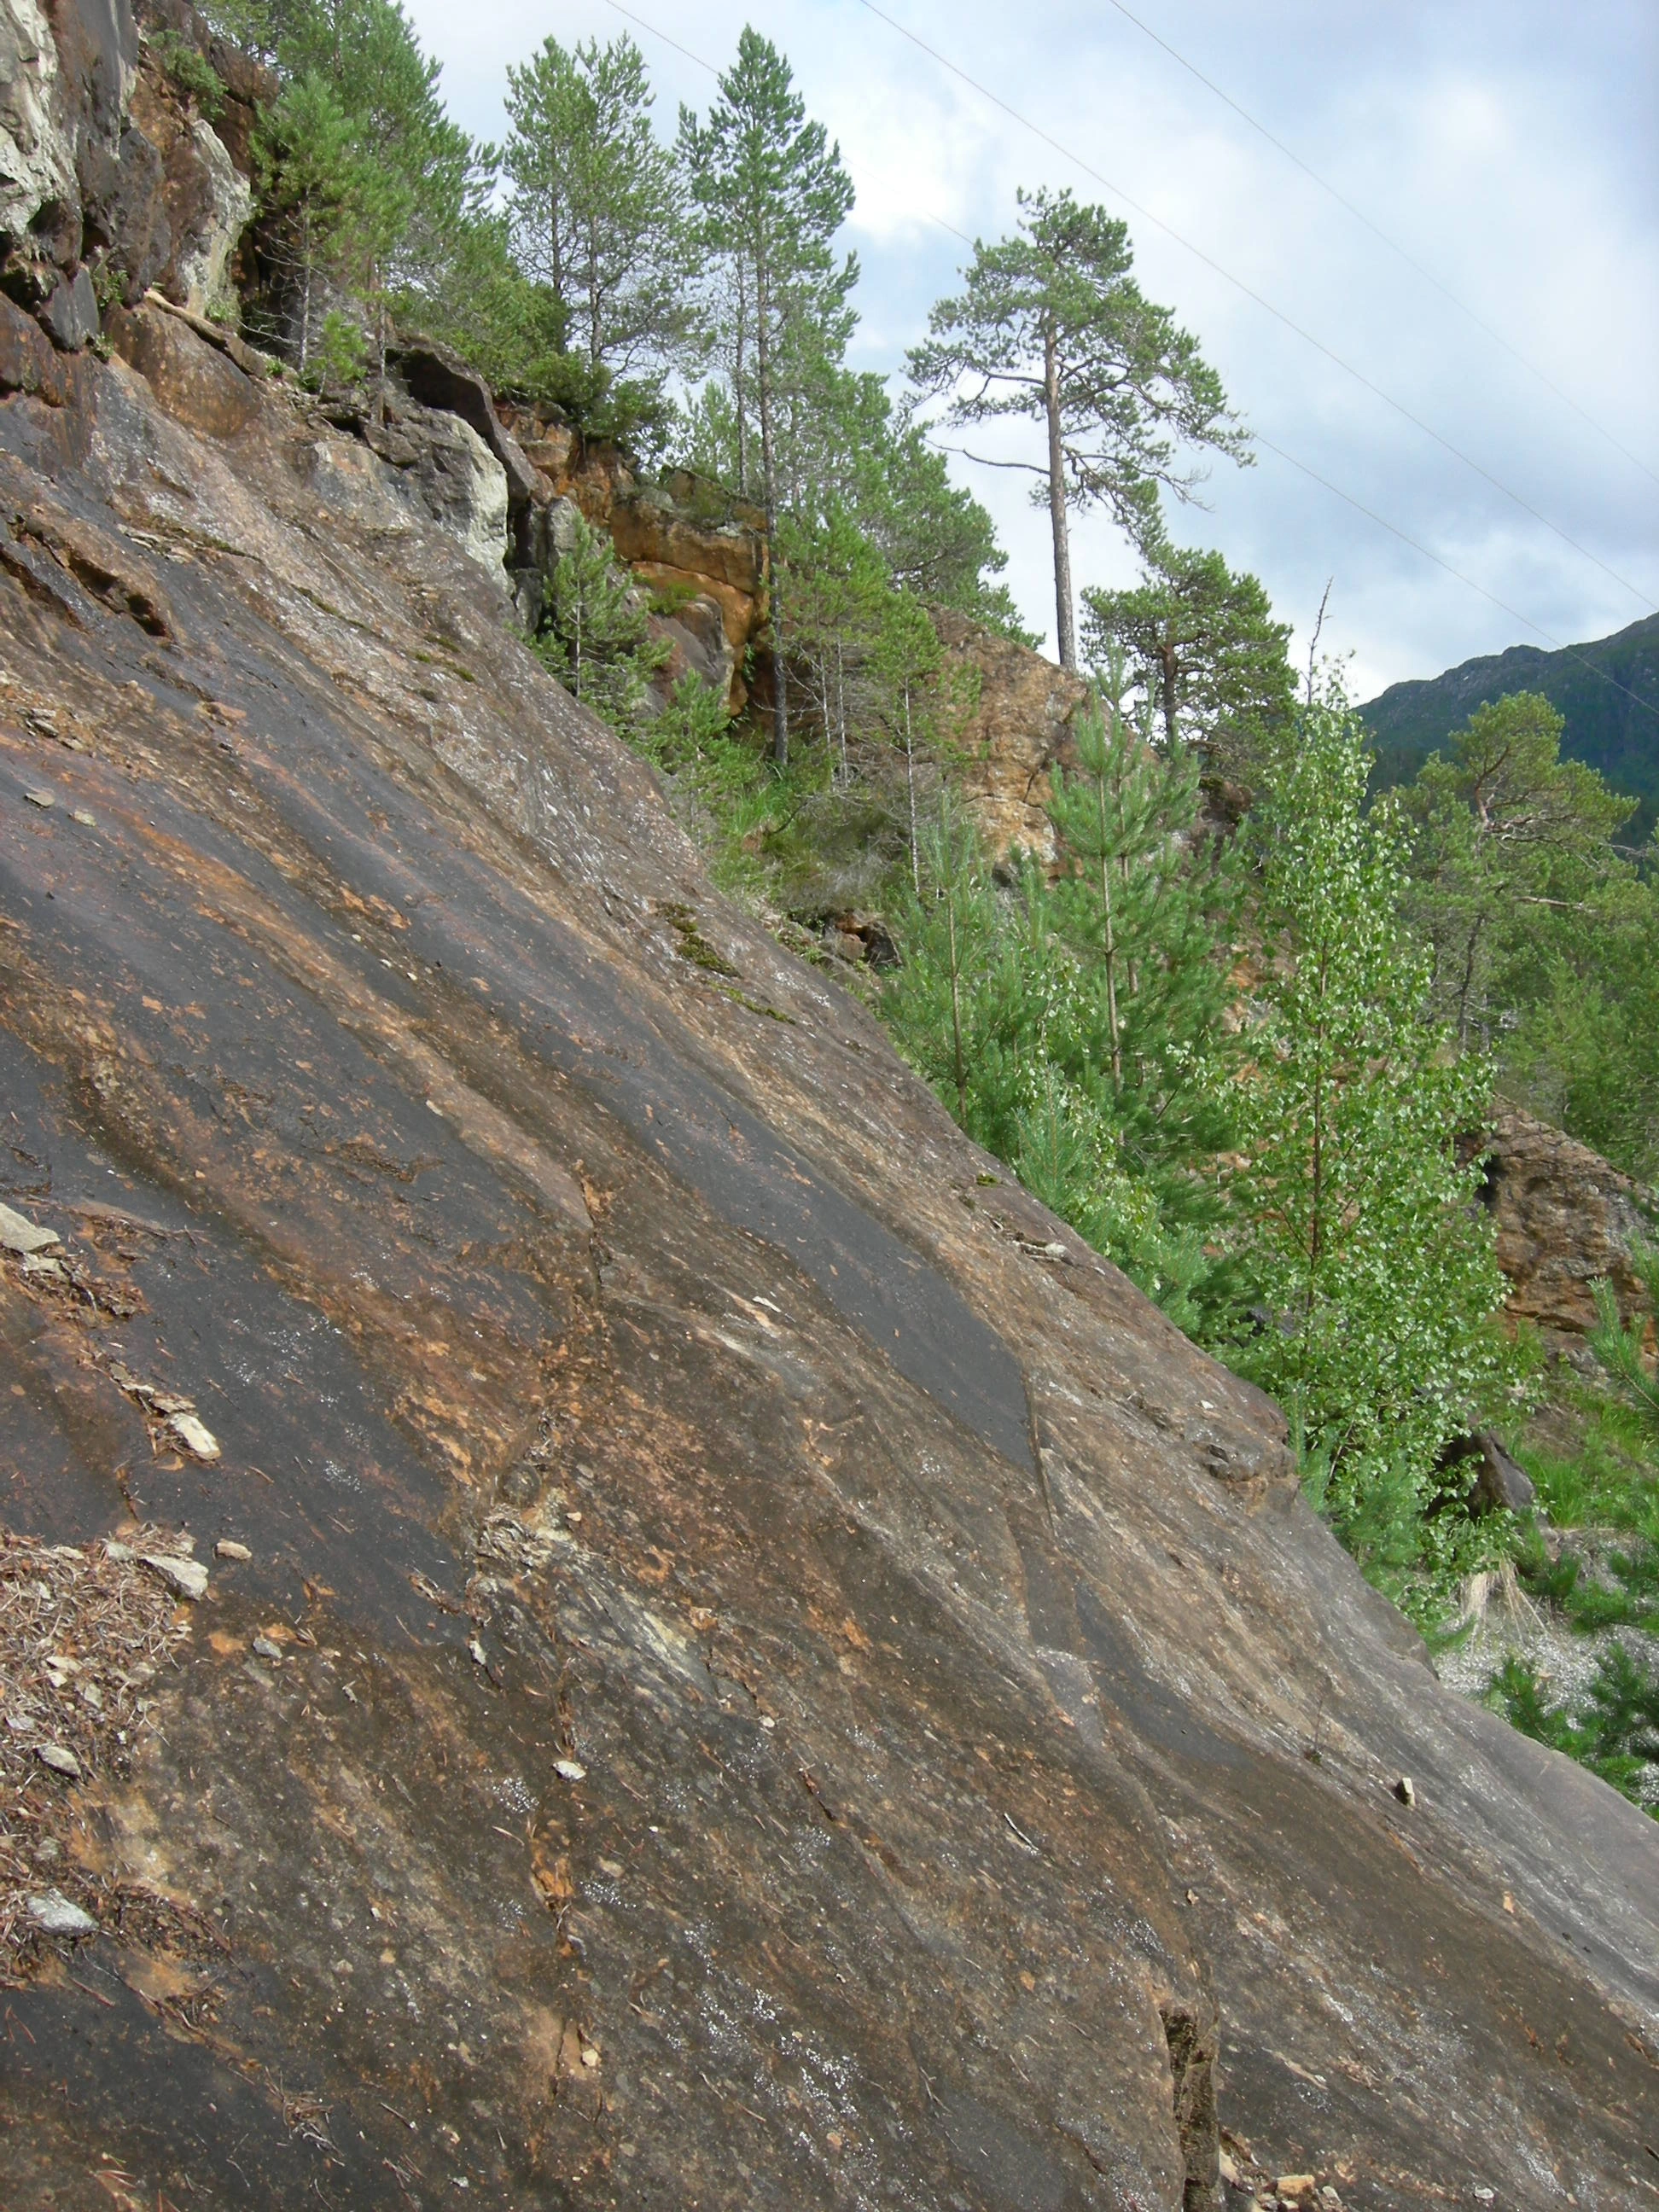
{"x": 438, "y": 378}
{"x": 1496, "y": 1482}
{"x": 1565, "y": 1219}
{"x": 28, "y": 361}
{"x": 69, "y": 315}
{"x": 465, "y": 489}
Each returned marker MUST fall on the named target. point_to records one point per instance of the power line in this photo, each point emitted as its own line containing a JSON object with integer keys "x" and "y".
{"x": 1239, "y": 284}
{"x": 654, "y": 32}
{"x": 1393, "y": 244}
{"x": 1313, "y": 474}
{"x": 1417, "y": 546}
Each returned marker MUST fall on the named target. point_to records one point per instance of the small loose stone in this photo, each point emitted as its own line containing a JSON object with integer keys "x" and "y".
{"x": 56, "y": 1915}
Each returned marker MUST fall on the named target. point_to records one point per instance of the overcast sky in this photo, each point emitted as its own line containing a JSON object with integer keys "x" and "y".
{"x": 1509, "y": 146}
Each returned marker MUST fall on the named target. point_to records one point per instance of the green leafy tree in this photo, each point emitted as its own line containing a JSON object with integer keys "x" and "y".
{"x": 1205, "y": 652}
{"x": 1075, "y": 1029}
{"x": 1369, "y": 1255}
{"x": 772, "y": 194}
{"x": 597, "y": 209}
{"x": 1051, "y": 327}
{"x": 1585, "y": 1049}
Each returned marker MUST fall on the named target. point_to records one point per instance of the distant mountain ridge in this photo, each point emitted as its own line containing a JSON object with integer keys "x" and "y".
{"x": 1607, "y": 726}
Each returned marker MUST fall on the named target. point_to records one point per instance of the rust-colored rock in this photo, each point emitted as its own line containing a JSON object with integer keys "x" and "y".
{"x": 28, "y": 361}
{"x": 1018, "y": 726}
{"x": 193, "y": 380}
{"x": 1565, "y": 1219}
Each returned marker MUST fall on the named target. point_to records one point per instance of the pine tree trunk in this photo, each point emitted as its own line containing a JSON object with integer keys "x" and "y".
{"x": 768, "y": 471}
{"x": 910, "y": 778}
{"x": 737, "y": 359}
{"x": 305, "y": 296}
{"x": 1065, "y": 630}
{"x": 841, "y": 712}
{"x": 1166, "y": 655}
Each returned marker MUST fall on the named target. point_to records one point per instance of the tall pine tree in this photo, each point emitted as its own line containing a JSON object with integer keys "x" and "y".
{"x": 1051, "y": 327}
{"x": 774, "y": 194}
{"x": 597, "y": 208}
{"x": 1205, "y": 654}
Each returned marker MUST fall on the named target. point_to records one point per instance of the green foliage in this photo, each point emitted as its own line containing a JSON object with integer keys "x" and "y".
{"x": 366, "y": 184}
{"x": 1205, "y": 654}
{"x": 191, "y": 72}
{"x": 595, "y": 636}
{"x": 1614, "y": 1729}
{"x": 1510, "y": 849}
{"x": 1373, "y": 1262}
{"x": 773, "y": 195}
{"x": 1075, "y": 1029}
{"x": 597, "y": 216}
{"x": 1052, "y": 328}
{"x": 1604, "y": 691}
{"x": 1584, "y": 1048}
{"x": 1621, "y": 1351}
{"x": 339, "y": 355}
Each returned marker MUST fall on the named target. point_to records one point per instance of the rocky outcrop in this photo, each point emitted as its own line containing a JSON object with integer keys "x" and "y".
{"x": 1565, "y": 1219}
{"x": 207, "y": 200}
{"x": 110, "y": 179}
{"x": 700, "y": 555}
{"x": 1017, "y": 725}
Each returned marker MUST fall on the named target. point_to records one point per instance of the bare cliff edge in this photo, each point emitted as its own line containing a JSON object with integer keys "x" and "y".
{"x": 750, "y": 1669}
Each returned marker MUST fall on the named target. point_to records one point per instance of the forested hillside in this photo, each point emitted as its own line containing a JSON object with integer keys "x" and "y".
{"x": 1606, "y": 693}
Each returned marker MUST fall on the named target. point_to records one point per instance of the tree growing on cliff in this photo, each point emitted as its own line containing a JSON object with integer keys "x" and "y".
{"x": 1372, "y": 1258}
{"x": 772, "y": 194}
{"x": 596, "y": 635}
{"x": 1204, "y": 653}
{"x": 1147, "y": 907}
{"x": 597, "y": 208}
{"x": 1051, "y": 327}
{"x": 368, "y": 183}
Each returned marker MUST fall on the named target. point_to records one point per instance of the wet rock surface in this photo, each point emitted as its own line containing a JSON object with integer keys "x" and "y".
{"x": 739, "y": 1665}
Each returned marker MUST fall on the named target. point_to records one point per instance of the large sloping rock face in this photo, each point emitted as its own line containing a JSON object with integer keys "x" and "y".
{"x": 765, "y": 1673}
